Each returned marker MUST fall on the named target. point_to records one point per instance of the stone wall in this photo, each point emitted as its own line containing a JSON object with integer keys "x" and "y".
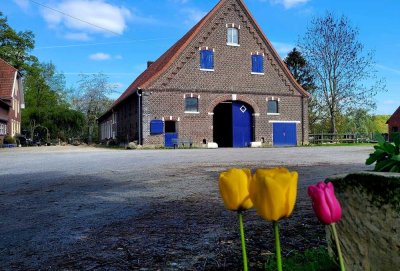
{"x": 370, "y": 227}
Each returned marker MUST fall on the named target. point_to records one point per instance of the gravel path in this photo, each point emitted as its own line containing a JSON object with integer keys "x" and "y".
{"x": 82, "y": 208}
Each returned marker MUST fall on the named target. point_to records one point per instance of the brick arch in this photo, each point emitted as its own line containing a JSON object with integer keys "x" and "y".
{"x": 242, "y": 98}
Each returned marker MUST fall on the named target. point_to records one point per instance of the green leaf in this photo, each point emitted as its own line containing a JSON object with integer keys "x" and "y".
{"x": 395, "y": 168}
{"x": 384, "y": 165}
{"x": 395, "y": 158}
{"x": 379, "y": 138}
{"x": 389, "y": 148}
{"x": 396, "y": 139}
{"x": 372, "y": 158}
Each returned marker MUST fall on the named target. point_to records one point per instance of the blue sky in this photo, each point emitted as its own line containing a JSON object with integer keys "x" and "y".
{"x": 130, "y": 33}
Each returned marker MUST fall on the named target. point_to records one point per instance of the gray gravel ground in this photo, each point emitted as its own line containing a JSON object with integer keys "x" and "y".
{"x": 83, "y": 208}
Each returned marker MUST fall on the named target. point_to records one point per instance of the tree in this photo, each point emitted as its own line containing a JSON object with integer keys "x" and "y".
{"x": 16, "y": 46}
{"x": 380, "y": 125}
{"x": 92, "y": 100}
{"x": 46, "y": 104}
{"x": 341, "y": 70}
{"x": 300, "y": 70}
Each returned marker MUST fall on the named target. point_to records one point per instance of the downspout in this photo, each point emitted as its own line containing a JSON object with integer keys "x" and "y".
{"x": 302, "y": 120}
{"x": 139, "y": 94}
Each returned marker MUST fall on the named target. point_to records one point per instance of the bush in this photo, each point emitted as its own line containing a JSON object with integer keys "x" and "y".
{"x": 9, "y": 140}
{"x": 386, "y": 155}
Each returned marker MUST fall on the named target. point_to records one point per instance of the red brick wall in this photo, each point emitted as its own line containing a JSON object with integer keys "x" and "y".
{"x": 231, "y": 75}
{"x": 164, "y": 98}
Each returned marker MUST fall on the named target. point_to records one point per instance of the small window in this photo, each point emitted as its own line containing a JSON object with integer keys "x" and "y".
{"x": 257, "y": 64}
{"x": 191, "y": 104}
{"x": 233, "y": 36}
{"x": 272, "y": 107}
{"x": 207, "y": 59}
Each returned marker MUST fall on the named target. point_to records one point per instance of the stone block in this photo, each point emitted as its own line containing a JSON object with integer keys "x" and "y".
{"x": 369, "y": 230}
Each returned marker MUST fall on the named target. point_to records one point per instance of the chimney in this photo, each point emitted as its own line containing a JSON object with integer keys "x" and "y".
{"x": 149, "y": 63}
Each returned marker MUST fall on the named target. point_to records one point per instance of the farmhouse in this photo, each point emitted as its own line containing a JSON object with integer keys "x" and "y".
{"x": 11, "y": 100}
{"x": 222, "y": 82}
{"x": 394, "y": 123}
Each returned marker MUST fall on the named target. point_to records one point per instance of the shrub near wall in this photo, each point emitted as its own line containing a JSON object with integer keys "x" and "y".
{"x": 370, "y": 226}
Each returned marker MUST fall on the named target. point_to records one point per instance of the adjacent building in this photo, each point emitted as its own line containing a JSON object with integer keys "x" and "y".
{"x": 11, "y": 100}
{"x": 222, "y": 82}
{"x": 394, "y": 123}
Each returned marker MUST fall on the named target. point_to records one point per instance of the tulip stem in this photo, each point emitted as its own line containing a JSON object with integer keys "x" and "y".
{"x": 277, "y": 246}
{"x": 244, "y": 254}
{"x": 342, "y": 268}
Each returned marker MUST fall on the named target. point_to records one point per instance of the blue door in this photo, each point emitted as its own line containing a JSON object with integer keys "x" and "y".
{"x": 285, "y": 134}
{"x": 241, "y": 125}
{"x": 171, "y": 135}
{"x": 170, "y": 139}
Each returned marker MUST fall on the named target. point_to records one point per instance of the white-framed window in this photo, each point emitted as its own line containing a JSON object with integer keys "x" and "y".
{"x": 191, "y": 103}
{"x": 3, "y": 129}
{"x": 273, "y": 107}
{"x": 233, "y": 36}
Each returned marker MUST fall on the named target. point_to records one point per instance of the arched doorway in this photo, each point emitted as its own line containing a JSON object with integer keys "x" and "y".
{"x": 233, "y": 124}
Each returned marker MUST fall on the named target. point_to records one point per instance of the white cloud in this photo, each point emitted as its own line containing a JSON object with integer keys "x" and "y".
{"x": 104, "y": 56}
{"x": 283, "y": 48}
{"x": 193, "y": 15}
{"x": 99, "y": 56}
{"x": 289, "y": 3}
{"x": 99, "y": 16}
{"x": 23, "y": 4}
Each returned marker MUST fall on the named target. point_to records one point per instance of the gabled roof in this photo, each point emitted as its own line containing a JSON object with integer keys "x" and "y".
{"x": 166, "y": 60}
{"x": 7, "y": 76}
{"x": 396, "y": 115}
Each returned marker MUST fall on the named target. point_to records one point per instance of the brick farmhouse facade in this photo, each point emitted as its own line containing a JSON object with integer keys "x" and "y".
{"x": 11, "y": 100}
{"x": 394, "y": 123}
{"x": 222, "y": 82}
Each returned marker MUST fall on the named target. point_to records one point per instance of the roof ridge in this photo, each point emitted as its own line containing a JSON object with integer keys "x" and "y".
{"x": 9, "y": 65}
{"x": 159, "y": 67}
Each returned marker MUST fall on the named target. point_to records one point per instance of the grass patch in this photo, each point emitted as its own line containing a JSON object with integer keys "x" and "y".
{"x": 314, "y": 259}
{"x": 342, "y": 144}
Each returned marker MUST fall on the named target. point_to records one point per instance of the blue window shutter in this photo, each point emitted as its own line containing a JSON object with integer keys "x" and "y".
{"x": 156, "y": 127}
{"x": 257, "y": 63}
{"x": 206, "y": 59}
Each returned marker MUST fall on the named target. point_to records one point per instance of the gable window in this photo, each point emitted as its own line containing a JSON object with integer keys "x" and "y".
{"x": 3, "y": 129}
{"x": 207, "y": 59}
{"x": 233, "y": 36}
{"x": 272, "y": 107}
{"x": 191, "y": 104}
{"x": 257, "y": 63}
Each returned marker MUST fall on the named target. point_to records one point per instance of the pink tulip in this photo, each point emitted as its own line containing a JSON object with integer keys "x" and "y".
{"x": 325, "y": 204}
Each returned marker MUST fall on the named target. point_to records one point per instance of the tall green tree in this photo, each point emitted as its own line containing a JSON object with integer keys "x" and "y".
{"x": 341, "y": 69}
{"x": 46, "y": 104}
{"x": 91, "y": 98}
{"x": 15, "y": 47}
{"x": 300, "y": 70}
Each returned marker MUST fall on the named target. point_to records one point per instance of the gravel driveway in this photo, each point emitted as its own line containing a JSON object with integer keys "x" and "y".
{"x": 83, "y": 208}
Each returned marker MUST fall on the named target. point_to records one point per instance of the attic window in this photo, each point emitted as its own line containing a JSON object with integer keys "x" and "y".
{"x": 206, "y": 59}
{"x": 257, "y": 63}
{"x": 232, "y": 35}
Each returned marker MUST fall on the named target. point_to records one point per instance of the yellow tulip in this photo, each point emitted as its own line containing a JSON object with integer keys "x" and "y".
{"x": 273, "y": 192}
{"x": 234, "y": 189}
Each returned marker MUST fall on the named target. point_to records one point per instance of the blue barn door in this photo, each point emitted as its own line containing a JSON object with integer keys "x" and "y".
{"x": 285, "y": 134}
{"x": 171, "y": 135}
{"x": 170, "y": 139}
{"x": 241, "y": 125}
